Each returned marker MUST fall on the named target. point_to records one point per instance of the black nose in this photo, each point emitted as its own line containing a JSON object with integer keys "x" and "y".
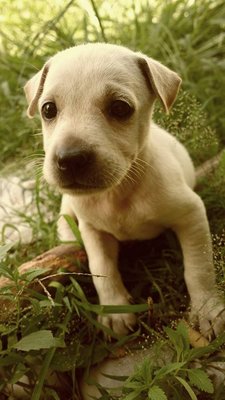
{"x": 73, "y": 159}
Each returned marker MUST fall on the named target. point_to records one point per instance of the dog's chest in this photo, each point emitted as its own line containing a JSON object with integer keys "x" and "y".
{"x": 125, "y": 220}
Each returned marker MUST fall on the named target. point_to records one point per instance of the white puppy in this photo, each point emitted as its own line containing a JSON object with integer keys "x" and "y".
{"x": 122, "y": 176}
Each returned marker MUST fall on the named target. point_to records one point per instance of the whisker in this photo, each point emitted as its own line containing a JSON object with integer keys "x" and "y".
{"x": 138, "y": 167}
{"x": 38, "y": 134}
{"x": 35, "y": 162}
{"x": 140, "y": 161}
{"x": 112, "y": 176}
{"x": 143, "y": 164}
{"x": 117, "y": 171}
{"x": 35, "y": 156}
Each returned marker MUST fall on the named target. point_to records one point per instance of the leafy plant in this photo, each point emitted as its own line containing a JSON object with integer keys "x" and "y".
{"x": 189, "y": 123}
{"x": 174, "y": 376}
{"x": 50, "y": 331}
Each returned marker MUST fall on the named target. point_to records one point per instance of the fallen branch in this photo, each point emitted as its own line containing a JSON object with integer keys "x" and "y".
{"x": 68, "y": 257}
{"x": 208, "y": 166}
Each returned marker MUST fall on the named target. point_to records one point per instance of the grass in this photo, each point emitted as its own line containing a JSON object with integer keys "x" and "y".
{"x": 188, "y": 37}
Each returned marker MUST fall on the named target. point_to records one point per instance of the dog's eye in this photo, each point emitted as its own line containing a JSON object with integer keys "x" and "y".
{"x": 49, "y": 110}
{"x": 120, "y": 109}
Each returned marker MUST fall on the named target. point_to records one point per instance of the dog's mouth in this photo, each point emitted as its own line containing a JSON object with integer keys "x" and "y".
{"x": 93, "y": 178}
{"x": 84, "y": 184}
{"x": 76, "y": 187}
{"x": 100, "y": 181}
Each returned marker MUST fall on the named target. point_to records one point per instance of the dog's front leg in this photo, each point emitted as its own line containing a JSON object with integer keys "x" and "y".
{"x": 102, "y": 251}
{"x": 193, "y": 232}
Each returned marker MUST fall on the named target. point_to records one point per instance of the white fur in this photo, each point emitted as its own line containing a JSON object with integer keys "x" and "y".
{"x": 148, "y": 174}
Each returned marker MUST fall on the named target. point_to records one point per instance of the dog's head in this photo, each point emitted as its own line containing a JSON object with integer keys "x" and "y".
{"x": 96, "y": 101}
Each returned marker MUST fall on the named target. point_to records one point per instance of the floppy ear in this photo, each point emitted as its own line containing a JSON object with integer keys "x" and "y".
{"x": 33, "y": 89}
{"x": 164, "y": 82}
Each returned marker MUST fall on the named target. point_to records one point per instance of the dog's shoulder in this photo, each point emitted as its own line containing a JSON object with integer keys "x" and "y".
{"x": 170, "y": 158}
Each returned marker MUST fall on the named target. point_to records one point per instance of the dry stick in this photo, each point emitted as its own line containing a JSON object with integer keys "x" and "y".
{"x": 62, "y": 256}
{"x": 208, "y": 166}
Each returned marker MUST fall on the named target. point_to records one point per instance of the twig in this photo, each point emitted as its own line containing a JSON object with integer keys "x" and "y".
{"x": 47, "y": 26}
{"x": 71, "y": 273}
{"x": 99, "y": 20}
{"x": 208, "y": 166}
{"x": 46, "y": 292}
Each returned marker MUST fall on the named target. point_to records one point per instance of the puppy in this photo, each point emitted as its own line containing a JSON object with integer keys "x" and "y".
{"x": 122, "y": 176}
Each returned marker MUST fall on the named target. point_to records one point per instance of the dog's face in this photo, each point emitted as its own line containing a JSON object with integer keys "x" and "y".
{"x": 95, "y": 102}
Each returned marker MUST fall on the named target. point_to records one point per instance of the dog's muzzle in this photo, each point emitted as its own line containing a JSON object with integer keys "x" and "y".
{"x": 74, "y": 166}
{"x": 79, "y": 168}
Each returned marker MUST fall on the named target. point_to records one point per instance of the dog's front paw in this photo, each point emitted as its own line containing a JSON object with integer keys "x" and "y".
{"x": 210, "y": 316}
{"x": 121, "y": 324}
